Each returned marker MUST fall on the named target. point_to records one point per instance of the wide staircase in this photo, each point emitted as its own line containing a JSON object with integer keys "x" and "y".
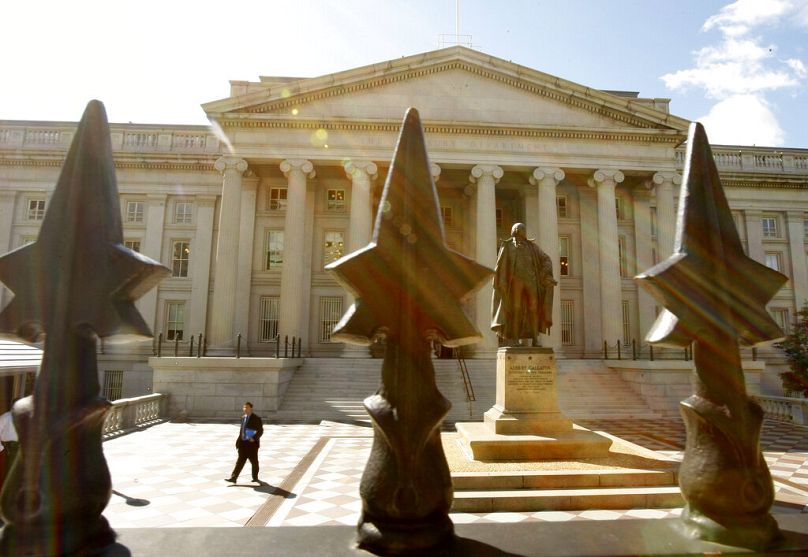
{"x": 334, "y": 388}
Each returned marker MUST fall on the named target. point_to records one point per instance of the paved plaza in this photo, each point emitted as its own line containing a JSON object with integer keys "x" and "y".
{"x": 172, "y": 474}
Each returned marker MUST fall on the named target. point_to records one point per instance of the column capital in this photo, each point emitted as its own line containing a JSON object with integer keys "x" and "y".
{"x": 230, "y": 162}
{"x": 303, "y": 165}
{"x": 482, "y": 170}
{"x": 667, "y": 177}
{"x": 546, "y": 173}
{"x": 355, "y": 168}
{"x": 603, "y": 176}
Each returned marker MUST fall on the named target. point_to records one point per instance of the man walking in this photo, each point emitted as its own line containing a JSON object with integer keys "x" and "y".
{"x": 247, "y": 443}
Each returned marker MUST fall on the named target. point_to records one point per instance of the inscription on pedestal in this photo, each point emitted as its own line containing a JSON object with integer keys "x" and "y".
{"x": 536, "y": 378}
{"x": 526, "y": 380}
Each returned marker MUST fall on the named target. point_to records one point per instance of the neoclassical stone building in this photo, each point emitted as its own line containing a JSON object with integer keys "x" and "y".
{"x": 248, "y": 211}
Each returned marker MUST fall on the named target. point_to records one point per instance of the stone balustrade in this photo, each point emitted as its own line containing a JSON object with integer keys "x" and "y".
{"x": 756, "y": 159}
{"x": 125, "y": 138}
{"x": 130, "y": 413}
{"x": 784, "y": 409}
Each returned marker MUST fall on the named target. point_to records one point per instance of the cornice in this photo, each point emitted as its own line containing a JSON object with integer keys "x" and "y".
{"x": 569, "y": 97}
{"x": 766, "y": 184}
{"x": 648, "y": 135}
{"x": 196, "y": 165}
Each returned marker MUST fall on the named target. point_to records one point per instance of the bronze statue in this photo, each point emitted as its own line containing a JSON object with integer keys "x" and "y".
{"x": 523, "y": 290}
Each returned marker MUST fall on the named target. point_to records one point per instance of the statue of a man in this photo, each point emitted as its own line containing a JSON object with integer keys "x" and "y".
{"x": 523, "y": 290}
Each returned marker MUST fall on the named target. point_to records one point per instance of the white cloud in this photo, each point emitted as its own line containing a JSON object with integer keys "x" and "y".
{"x": 739, "y": 69}
{"x": 740, "y": 17}
{"x": 758, "y": 126}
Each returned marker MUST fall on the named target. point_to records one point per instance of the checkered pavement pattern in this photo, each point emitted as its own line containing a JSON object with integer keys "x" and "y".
{"x": 171, "y": 474}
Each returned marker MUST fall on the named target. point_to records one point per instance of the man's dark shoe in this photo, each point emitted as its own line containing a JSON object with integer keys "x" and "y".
{"x": 256, "y": 480}
{"x": 231, "y": 480}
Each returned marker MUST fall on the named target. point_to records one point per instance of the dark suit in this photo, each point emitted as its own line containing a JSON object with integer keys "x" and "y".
{"x": 248, "y": 450}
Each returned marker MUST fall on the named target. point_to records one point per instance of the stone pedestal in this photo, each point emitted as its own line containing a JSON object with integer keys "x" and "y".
{"x": 525, "y": 422}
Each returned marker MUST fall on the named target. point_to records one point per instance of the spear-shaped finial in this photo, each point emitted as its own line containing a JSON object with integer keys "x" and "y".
{"x": 76, "y": 283}
{"x": 715, "y": 296}
{"x": 408, "y": 285}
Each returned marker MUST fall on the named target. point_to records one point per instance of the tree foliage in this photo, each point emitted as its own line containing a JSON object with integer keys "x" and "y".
{"x": 795, "y": 345}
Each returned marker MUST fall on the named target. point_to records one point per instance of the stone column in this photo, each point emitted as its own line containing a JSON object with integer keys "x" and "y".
{"x": 796, "y": 248}
{"x": 486, "y": 178}
{"x": 201, "y": 250}
{"x": 291, "y": 320}
{"x": 666, "y": 214}
{"x": 590, "y": 275}
{"x": 645, "y": 258}
{"x": 6, "y": 220}
{"x": 605, "y": 181}
{"x": 754, "y": 236}
{"x": 361, "y": 174}
{"x": 547, "y": 179}
{"x": 227, "y": 249}
{"x": 153, "y": 247}
{"x": 249, "y": 194}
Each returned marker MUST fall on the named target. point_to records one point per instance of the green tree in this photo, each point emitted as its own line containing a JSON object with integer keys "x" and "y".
{"x": 795, "y": 345}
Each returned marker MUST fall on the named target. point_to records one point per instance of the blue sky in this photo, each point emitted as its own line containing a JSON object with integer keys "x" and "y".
{"x": 739, "y": 67}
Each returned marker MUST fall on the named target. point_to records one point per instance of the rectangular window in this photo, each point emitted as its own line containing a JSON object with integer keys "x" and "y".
{"x": 448, "y": 216}
{"x": 626, "y": 322}
{"x": 133, "y": 245}
{"x": 621, "y": 254}
{"x": 183, "y": 211}
{"x": 175, "y": 320}
{"x": 567, "y": 322}
{"x": 180, "y": 256}
{"x": 268, "y": 318}
{"x": 774, "y": 260}
{"x": 780, "y": 316}
{"x": 618, "y": 207}
{"x": 561, "y": 206}
{"x": 274, "y": 250}
{"x": 113, "y": 384}
{"x": 330, "y": 313}
{"x": 134, "y": 211}
{"x": 25, "y": 240}
{"x": 36, "y": 209}
{"x": 277, "y": 199}
{"x": 499, "y": 218}
{"x": 769, "y": 227}
{"x": 334, "y": 246}
{"x": 563, "y": 255}
{"x": 653, "y": 222}
{"x": 336, "y": 200}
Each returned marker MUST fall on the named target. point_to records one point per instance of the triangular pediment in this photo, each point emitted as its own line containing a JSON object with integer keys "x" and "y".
{"x": 455, "y": 85}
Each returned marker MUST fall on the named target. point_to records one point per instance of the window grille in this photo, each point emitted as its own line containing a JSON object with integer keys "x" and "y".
{"x": 336, "y": 200}
{"x": 175, "y": 320}
{"x": 769, "y": 225}
{"x": 621, "y": 254}
{"x": 183, "y": 211}
{"x": 36, "y": 209}
{"x": 133, "y": 245}
{"x": 653, "y": 222}
{"x": 561, "y": 206}
{"x": 774, "y": 261}
{"x": 277, "y": 199}
{"x": 269, "y": 311}
{"x": 780, "y": 316}
{"x": 330, "y": 314}
{"x": 334, "y": 246}
{"x": 180, "y": 256}
{"x": 567, "y": 322}
{"x": 134, "y": 211}
{"x": 113, "y": 384}
{"x": 563, "y": 255}
{"x": 499, "y": 218}
{"x": 626, "y": 322}
{"x": 447, "y": 214}
{"x": 274, "y": 250}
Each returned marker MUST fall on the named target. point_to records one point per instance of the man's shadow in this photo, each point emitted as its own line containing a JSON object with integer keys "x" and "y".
{"x": 269, "y": 489}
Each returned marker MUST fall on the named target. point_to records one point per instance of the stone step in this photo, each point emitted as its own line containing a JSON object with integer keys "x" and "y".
{"x": 526, "y": 500}
{"x": 554, "y": 479}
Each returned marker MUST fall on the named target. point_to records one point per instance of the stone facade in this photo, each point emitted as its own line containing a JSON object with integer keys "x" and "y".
{"x": 247, "y": 217}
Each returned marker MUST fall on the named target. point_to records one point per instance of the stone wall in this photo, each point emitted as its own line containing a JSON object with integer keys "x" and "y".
{"x": 664, "y": 383}
{"x": 218, "y": 387}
